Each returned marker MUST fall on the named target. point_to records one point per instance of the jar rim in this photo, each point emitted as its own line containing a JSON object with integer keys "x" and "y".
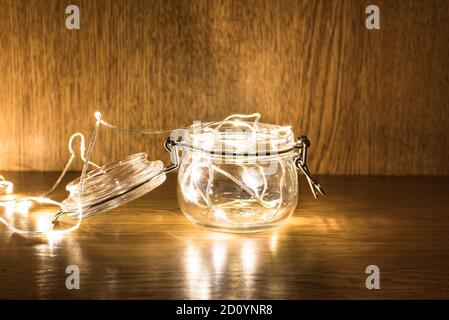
{"x": 240, "y": 138}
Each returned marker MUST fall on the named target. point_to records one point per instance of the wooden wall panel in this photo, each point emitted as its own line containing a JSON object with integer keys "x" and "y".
{"x": 372, "y": 102}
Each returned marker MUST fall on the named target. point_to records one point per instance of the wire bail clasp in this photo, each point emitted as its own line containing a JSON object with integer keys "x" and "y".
{"x": 301, "y": 163}
{"x": 172, "y": 146}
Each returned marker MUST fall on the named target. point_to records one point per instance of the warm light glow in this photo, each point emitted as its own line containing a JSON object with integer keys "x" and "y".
{"x": 195, "y": 174}
{"x": 191, "y": 194}
{"x": 248, "y": 256}
{"x": 245, "y": 177}
{"x": 196, "y": 273}
{"x": 43, "y": 222}
{"x": 54, "y": 239}
{"x": 220, "y": 214}
{"x": 274, "y": 242}
{"x": 5, "y": 185}
{"x": 22, "y": 205}
{"x": 97, "y": 115}
{"x": 219, "y": 252}
{"x": 9, "y": 188}
{"x": 12, "y": 207}
{"x": 252, "y": 180}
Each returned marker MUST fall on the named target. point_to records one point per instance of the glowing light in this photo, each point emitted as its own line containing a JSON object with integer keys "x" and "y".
{"x": 196, "y": 174}
{"x": 43, "y": 222}
{"x": 7, "y": 186}
{"x": 23, "y": 207}
{"x": 248, "y": 256}
{"x": 196, "y": 273}
{"x": 252, "y": 180}
{"x": 97, "y": 115}
{"x": 9, "y": 210}
{"x": 220, "y": 213}
{"x": 23, "y": 204}
{"x": 274, "y": 242}
{"x": 191, "y": 194}
{"x": 54, "y": 239}
{"x": 219, "y": 256}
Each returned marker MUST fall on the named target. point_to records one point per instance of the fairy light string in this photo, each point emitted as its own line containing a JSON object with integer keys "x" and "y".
{"x": 114, "y": 184}
{"x": 95, "y": 191}
{"x": 28, "y": 200}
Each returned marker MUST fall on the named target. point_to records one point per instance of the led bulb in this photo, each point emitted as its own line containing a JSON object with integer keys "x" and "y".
{"x": 191, "y": 194}
{"x": 196, "y": 174}
{"x": 97, "y": 115}
{"x": 6, "y": 185}
{"x": 251, "y": 179}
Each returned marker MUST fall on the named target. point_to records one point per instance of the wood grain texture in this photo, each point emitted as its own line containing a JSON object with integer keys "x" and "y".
{"x": 372, "y": 102}
{"x": 148, "y": 249}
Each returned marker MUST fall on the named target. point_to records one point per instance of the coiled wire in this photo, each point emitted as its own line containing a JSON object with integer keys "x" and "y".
{"x": 50, "y": 232}
{"x": 98, "y": 190}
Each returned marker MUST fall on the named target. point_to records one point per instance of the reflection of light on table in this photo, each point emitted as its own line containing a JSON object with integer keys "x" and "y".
{"x": 12, "y": 207}
{"x": 248, "y": 256}
{"x": 196, "y": 273}
{"x": 248, "y": 260}
{"x": 44, "y": 223}
{"x": 210, "y": 257}
{"x": 319, "y": 223}
{"x": 274, "y": 242}
{"x": 219, "y": 253}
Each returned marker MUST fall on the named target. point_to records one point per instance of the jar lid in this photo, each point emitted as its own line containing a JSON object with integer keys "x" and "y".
{"x": 240, "y": 135}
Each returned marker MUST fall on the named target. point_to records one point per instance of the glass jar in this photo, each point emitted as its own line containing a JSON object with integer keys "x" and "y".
{"x": 239, "y": 175}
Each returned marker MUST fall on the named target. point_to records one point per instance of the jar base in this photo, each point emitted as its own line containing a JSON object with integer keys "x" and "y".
{"x": 249, "y": 229}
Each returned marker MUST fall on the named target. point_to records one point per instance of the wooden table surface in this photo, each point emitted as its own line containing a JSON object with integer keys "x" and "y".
{"x": 148, "y": 250}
